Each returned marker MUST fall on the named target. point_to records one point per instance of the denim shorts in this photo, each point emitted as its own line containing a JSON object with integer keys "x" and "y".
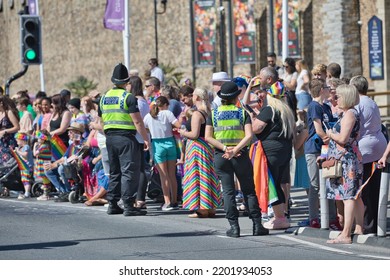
{"x": 303, "y": 99}
{"x": 164, "y": 149}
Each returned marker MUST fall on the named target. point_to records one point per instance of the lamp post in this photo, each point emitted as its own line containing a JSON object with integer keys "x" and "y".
{"x": 164, "y": 3}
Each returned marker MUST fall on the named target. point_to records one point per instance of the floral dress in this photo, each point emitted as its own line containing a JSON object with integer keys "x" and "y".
{"x": 7, "y": 142}
{"x": 350, "y": 183}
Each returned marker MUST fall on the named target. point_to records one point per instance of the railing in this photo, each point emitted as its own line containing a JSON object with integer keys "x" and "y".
{"x": 385, "y": 117}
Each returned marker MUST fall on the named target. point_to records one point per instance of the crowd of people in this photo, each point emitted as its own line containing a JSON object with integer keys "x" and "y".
{"x": 242, "y": 140}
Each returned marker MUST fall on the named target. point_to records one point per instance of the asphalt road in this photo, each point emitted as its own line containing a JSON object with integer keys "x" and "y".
{"x": 45, "y": 230}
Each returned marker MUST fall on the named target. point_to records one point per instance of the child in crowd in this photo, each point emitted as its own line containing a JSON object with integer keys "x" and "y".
{"x": 26, "y": 120}
{"x": 24, "y": 151}
{"x": 42, "y": 154}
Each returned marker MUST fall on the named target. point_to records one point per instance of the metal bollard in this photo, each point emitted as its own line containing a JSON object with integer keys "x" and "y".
{"x": 383, "y": 198}
{"x": 324, "y": 206}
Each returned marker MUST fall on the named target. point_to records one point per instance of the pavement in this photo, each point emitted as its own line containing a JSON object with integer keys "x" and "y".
{"x": 299, "y": 212}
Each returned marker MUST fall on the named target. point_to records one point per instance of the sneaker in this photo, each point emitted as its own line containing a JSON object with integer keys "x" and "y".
{"x": 21, "y": 196}
{"x": 315, "y": 223}
{"x": 170, "y": 207}
{"x": 335, "y": 225}
{"x": 277, "y": 223}
{"x": 43, "y": 197}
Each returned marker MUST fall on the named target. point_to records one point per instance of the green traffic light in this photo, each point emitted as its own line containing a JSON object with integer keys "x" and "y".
{"x": 31, "y": 55}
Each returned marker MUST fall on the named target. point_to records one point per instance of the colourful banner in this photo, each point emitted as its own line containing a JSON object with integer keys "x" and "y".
{"x": 293, "y": 27}
{"x": 244, "y": 31}
{"x": 114, "y": 16}
{"x": 58, "y": 148}
{"x": 22, "y": 164}
{"x": 204, "y": 24}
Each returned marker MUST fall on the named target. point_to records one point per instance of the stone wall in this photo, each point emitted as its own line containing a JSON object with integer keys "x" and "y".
{"x": 75, "y": 42}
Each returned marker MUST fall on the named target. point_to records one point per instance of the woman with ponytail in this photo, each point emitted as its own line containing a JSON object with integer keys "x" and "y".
{"x": 160, "y": 122}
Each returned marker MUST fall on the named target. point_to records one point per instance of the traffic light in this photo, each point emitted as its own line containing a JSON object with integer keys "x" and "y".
{"x": 30, "y": 38}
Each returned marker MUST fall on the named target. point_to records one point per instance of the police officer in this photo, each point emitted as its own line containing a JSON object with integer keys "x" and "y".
{"x": 120, "y": 115}
{"x": 229, "y": 130}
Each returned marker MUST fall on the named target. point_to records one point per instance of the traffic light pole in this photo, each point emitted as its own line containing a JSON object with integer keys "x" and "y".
{"x": 15, "y": 77}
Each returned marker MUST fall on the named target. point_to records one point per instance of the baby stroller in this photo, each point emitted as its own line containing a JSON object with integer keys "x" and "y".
{"x": 154, "y": 190}
{"x": 10, "y": 178}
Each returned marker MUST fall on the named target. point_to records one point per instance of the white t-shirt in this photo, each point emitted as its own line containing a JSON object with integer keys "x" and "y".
{"x": 160, "y": 127}
{"x": 143, "y": 107}
{"x": 158, "y": 73}
{"x": 300, "y": 81}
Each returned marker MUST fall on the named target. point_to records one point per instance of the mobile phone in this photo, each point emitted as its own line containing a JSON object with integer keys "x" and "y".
{"x": 249, "y": 109}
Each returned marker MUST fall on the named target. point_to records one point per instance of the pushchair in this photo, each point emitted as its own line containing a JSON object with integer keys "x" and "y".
{"x": 10, "y": 177}
{"x": 10, "y": 180}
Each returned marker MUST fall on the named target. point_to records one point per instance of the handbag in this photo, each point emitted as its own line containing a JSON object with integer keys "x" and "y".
{"x": 331, "y": 169}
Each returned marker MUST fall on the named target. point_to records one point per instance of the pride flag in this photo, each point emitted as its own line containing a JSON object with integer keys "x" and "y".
{"x": 264, "y": 183}
{"x": 58, "y": 147}
{"x": 22, "y": 164}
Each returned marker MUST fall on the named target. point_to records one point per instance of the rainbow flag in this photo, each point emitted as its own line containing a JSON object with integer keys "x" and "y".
{"x": 22, "y": 164}
{"x": 58, "y": 148}
{"x": 264, "y": 183}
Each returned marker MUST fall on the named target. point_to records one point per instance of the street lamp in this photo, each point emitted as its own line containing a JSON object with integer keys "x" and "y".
{"x": 164, "y": 3}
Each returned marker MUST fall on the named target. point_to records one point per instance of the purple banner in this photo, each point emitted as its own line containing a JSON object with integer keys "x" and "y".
{"x": 114, "y": 18}
{"x": 32, "y": 7}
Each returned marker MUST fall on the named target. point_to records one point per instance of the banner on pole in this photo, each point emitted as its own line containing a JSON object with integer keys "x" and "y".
{"x": 244, "y": 31}
{"x": 204, "y": 24}
{"x": 375, "y": 48}
{"x": 293, "y": 27}
{"x": 114, "y": 18}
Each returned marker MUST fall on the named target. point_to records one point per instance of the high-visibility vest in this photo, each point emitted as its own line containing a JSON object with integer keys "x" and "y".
{"x": 115, "y": 112}
{"x": 228, "y": 122}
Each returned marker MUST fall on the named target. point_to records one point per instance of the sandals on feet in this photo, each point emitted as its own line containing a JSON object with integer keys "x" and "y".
{"x": 339, "y": 240}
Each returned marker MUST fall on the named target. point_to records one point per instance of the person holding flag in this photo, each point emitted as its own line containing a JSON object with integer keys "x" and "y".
{"x": 24, "y": 157}
{"x": 274, "y": 126}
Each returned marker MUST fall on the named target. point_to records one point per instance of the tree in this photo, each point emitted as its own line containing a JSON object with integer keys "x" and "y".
{"x": 81, "y": 86}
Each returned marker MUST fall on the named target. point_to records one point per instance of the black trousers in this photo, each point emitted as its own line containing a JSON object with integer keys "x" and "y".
{"x": 242, "y": 167}
{"x": 124, "y": 157}
{"x": 370, "y": 197}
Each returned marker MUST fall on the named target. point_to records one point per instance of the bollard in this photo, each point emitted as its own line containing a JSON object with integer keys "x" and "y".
{"x": 324, "y": 206}
{"x": 383, "y": 198}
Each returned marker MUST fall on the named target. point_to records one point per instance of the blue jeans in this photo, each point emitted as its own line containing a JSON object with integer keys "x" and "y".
{"x": 57, "y": 177}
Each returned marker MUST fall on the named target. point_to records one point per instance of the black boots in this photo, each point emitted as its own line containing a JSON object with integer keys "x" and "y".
{"x": 113, "y": 208}
{"x": 258, "y": 228}
{"x": 234, "y": 230}
{"x": 130, "y": 210}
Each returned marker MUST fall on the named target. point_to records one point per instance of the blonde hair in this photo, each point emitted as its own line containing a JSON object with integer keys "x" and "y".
{"x": 318, "y": 69}
{"x": 350, "y": 96}
{"x": 286, "y": 115}
{"x": 204, "y": 96}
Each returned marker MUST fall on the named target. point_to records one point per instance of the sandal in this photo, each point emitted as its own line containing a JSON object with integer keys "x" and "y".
{"x": 338, "y": 240}
{"x": 5, "y": 192}
{"x": 196, "y": 214}
{"x": 140, "y": 205}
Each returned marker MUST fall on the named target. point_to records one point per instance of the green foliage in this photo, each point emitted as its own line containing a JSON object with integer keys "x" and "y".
{"x": 172, "y": 76}
{"x": 81, "y": 86}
